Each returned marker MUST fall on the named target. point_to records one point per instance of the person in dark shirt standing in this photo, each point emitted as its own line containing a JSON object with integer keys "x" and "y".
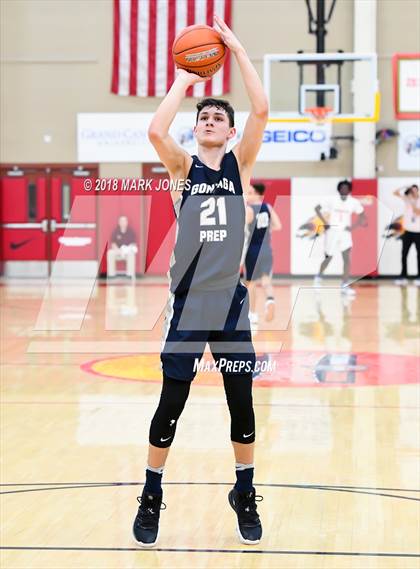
{"x": 123, "y": 247}
{"x": 261, "y": 220}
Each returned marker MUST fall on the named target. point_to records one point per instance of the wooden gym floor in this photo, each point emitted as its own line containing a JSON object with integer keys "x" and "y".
{"x": 337, "y": 409}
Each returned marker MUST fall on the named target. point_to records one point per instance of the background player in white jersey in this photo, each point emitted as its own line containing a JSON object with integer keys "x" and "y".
{"x": 338, "y": 228}
{"x": 261, "y": 220}
{"x": 204, "y": 278}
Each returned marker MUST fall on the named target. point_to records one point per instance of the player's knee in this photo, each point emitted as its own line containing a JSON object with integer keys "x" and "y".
{"x": 171, "y": 404}
{"x": 238, "y": 389}
{"x": 266, "y": 282}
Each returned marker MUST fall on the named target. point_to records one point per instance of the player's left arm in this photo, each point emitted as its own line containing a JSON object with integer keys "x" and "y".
{"x": 275, "y": 223}
{"x": 247, "y": 148}
{"x": 361, "y": 220}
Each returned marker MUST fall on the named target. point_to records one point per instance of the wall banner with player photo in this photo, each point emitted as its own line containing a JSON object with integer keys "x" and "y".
{"x": 409, "y": 146}
{"x": 122, "y": 137}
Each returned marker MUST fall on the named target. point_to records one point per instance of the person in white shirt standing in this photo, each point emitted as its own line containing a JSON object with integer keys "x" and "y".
{"x": 338, "y": 228}
{"x": 411, "y": 224}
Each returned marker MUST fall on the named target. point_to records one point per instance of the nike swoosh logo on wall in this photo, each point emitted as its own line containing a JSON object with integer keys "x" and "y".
{"x": 20, "y": 244}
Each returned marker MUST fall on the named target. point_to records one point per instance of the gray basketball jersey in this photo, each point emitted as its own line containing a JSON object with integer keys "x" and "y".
{"x": 210, "y": 228}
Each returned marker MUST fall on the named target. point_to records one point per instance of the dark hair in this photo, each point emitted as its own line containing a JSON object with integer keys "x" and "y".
{"x": 219, "y": 104}
{"x": 408, "y": 190}
{"x": 344, "y": 183}
{"x": 259, "y": 188}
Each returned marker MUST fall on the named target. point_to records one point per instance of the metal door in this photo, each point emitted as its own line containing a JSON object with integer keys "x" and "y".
{"x": 48, "y": 221}
{"x": 24, "y": 222}
{"x": 72, "y": 223}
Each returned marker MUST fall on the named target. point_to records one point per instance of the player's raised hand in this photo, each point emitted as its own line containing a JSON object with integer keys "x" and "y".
{"x": 228, "y": 36}
{"x": 189, "y": 78}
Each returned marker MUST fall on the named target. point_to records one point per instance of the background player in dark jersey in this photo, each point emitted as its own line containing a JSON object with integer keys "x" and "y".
{"x": 207, "y": 301}
{"x": 261, "y": 219}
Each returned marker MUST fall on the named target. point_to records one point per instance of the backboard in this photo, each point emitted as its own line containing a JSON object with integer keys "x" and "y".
{"x": 344, "y": 82}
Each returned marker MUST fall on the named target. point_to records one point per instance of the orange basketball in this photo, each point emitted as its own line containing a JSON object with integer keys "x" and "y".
{"x": 199, "y": 49}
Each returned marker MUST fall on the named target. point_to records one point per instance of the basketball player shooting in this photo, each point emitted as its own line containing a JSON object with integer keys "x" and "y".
{"x": 261, "y": 221}
{"x": 338, "y": 230}
{"x": 205, "y": 289}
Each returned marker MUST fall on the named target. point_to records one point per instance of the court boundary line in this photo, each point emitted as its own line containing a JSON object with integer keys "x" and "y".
{"x": 69, "y": 486}
{"x": 213, "y": 403}
{"x": 204, "y": 550}
{"x": 131, "y": 483}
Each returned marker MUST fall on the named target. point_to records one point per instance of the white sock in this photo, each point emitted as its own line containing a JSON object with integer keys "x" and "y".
{"x": 158, "y": 470}
{"x": 240, "y": 466}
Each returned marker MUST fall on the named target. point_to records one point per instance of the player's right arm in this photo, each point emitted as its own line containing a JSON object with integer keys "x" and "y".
{"x": 406, "y": 198}
{"x": 318, "y": 210}
{"x": 247, "y": 148}
{"x": 173, "y": 157}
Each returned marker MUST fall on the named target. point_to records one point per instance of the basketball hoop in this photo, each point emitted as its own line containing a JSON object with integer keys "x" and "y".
{"x": 319, "y": 115}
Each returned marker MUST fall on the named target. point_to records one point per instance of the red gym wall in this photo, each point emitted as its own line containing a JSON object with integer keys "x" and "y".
{"x": 38, "y": 195}
{"x": 277, "y": 194}
{"x": 160, "y": 226}
{"x": 365, "y": 250}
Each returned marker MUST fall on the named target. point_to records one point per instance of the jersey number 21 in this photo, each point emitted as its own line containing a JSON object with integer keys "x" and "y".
{"x": 208, "y": 214}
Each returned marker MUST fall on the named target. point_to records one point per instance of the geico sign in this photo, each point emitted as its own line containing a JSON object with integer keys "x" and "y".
{"x": 300, "y": 135}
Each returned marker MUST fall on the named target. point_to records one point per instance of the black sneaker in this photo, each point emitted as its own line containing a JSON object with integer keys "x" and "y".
{"x": 249, "y": 525}
{"x": 146, "y": 524}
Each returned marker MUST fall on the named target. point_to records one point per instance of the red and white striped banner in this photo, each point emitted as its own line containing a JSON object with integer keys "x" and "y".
{"x": 144, "y": 31}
